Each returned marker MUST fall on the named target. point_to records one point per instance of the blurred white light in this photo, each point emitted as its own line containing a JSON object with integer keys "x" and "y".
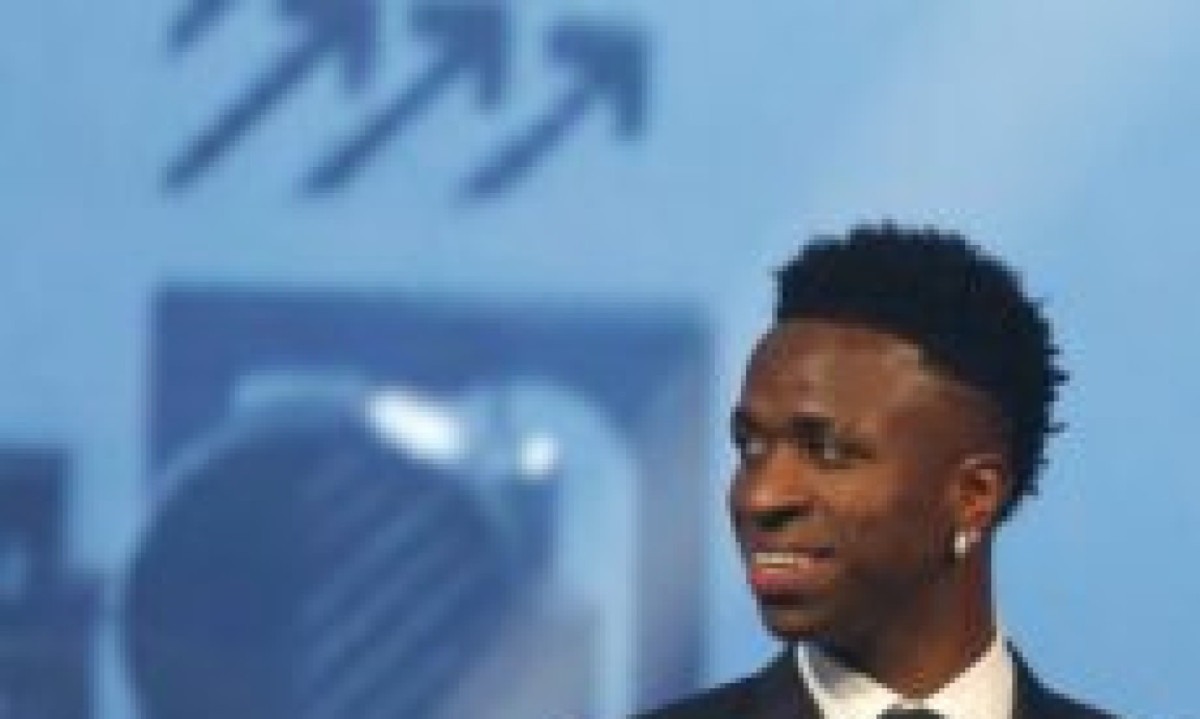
{"x": 424, "y": 429}
{"x": 539, "y": 456}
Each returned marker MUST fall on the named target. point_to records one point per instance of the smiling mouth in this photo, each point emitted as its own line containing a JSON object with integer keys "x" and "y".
{"x": 789, "y": 558}
{"x": 790, "y": 572}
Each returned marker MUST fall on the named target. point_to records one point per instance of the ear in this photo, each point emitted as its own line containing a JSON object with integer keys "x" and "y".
{"x": 980, "y": 488}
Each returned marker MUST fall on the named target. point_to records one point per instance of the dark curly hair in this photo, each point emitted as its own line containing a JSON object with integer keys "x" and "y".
{"x": 963, "y": 307}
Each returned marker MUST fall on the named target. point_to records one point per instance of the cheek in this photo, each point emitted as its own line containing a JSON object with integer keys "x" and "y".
{"x": 883, "y": 528}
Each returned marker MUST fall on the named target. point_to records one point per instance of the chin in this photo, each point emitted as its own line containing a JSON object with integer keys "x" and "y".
{"x": 793, "y": 622}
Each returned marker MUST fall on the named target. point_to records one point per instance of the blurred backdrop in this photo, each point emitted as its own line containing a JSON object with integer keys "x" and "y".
{"x": 372, "y": 358}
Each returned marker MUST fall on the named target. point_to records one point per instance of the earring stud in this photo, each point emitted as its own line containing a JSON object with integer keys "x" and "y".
{"x": 964, "y": 540}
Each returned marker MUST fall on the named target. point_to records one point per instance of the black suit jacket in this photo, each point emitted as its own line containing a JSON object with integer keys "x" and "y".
{"x": 778, "y": 692}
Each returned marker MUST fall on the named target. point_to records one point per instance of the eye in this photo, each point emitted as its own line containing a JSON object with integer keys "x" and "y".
{"x": 753, "y": 448}
{"x": 825, "y": 445}
{"x": 829, "y": 450}
{"x": 750, "y": 447}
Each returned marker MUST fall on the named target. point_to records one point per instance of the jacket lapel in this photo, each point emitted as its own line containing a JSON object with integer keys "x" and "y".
{"x": 778, "y": 692}
{"x": 1031, "y": 700}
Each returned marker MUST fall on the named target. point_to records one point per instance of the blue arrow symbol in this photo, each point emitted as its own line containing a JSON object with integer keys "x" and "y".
{"x": 196, "y": 20}
{"x": 346, "y": 30}
{"x": 609, "y": 63}
{"x": 474, "y": 42}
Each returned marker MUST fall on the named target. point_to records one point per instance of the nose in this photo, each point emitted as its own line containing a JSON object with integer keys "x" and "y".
{"x": 773, "y": 494}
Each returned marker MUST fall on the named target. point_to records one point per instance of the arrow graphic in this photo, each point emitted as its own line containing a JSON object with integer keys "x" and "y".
{"x": 341, "y": 30}
{"x": 609, "y": 63}
{"x": 196, "y": 20}
{"x": 474, "y": 43}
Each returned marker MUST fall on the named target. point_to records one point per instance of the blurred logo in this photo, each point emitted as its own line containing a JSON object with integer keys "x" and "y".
{"x": 471, "y": 43}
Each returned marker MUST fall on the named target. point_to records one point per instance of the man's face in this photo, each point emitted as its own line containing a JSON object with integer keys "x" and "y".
{"x": 849, "y": 486}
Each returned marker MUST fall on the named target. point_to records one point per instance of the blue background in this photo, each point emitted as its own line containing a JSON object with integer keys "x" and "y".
{"x": 1060, "y": 135}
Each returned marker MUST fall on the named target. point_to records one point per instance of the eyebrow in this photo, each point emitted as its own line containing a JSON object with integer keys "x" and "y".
{"x": 797, "y": 425}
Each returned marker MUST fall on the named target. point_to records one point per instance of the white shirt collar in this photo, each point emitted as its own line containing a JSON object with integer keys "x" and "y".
{"x": 983, "y": 690}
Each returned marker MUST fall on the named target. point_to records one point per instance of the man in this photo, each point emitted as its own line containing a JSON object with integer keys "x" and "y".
{"x": 891, "y": 418}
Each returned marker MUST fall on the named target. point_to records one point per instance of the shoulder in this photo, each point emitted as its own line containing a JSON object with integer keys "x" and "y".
{"x": 774, "y": 691}
{"x": 1059, "y": 706}
{"x": 1037, "y": 701}
{"x": 719, "y": 702}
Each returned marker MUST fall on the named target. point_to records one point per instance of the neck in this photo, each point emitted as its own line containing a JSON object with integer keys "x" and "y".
{"x": 928, "y": 643}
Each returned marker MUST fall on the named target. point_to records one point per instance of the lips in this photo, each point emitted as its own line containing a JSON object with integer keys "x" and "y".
{"x": 789, "y": 572}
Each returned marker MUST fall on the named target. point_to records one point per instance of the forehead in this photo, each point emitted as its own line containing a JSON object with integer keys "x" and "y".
{"x": 828, "y": 367}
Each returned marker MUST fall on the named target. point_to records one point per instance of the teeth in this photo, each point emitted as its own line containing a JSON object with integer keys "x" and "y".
{"x": 777, "y": 559}
{"x": 782, "y": 560}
